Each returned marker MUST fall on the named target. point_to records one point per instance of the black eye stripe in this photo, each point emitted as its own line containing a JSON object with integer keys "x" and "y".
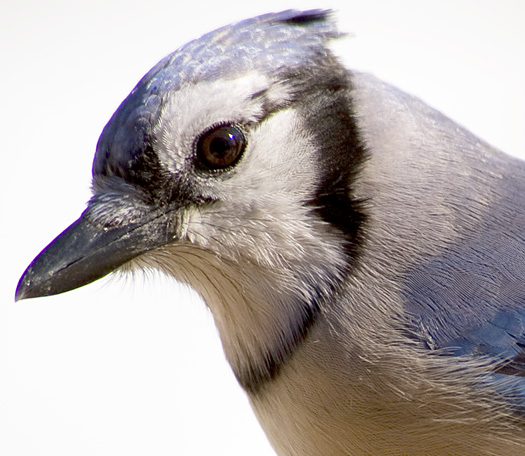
{"x": 220, "y": 146}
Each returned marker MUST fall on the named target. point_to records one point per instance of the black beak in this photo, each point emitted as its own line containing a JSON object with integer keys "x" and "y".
{"x": 87, "y": 251}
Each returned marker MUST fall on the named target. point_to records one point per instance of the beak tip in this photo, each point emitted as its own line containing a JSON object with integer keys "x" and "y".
{"x": 20, "y": 292}
{"x": 36, "y": 284}
{"x": 23, "y": 289}
{"x": 33, "y": 285}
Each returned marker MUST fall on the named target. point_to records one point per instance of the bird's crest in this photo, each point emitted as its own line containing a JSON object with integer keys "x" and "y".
{"x": 266, "y": 43}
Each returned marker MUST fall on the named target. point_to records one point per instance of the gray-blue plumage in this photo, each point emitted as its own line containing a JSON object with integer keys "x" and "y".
{"x": 362, "y": 254}
{"x": 470, "y": 299}
{"x": 268, "y": 43}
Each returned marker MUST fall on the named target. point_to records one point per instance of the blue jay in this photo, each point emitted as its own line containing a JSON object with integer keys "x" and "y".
{"x": 362, "y": 254}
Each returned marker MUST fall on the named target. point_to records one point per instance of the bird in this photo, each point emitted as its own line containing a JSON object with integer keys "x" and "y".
{"x": 362, "y": 254}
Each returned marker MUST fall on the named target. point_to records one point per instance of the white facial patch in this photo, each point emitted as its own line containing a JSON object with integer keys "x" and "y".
{"x": 257, "y": 255}
{"x": 194, "y": 108}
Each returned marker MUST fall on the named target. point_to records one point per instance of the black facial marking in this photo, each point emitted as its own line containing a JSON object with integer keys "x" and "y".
{"x": 325, "y": 101}
{"x": 329, "y": 116}
{"x": 139, "y": 167}
{"x": 256, "y": 376}
{"x": 125, "y": 148}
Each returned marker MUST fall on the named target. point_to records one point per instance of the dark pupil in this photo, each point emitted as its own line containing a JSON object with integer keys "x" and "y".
{"x": 221, "y": 147}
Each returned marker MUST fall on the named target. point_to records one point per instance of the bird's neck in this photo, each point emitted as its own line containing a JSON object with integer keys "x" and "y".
{"x": 261, "y": 313}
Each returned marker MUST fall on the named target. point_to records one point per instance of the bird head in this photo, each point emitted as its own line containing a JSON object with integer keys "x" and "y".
{"x": 229, "y": 167}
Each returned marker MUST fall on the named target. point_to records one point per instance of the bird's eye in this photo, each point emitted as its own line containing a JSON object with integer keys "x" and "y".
{"x": 220, "y": 146}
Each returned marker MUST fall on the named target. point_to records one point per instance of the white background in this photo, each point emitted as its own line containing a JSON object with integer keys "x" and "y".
{"x": 135, "y": 367}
